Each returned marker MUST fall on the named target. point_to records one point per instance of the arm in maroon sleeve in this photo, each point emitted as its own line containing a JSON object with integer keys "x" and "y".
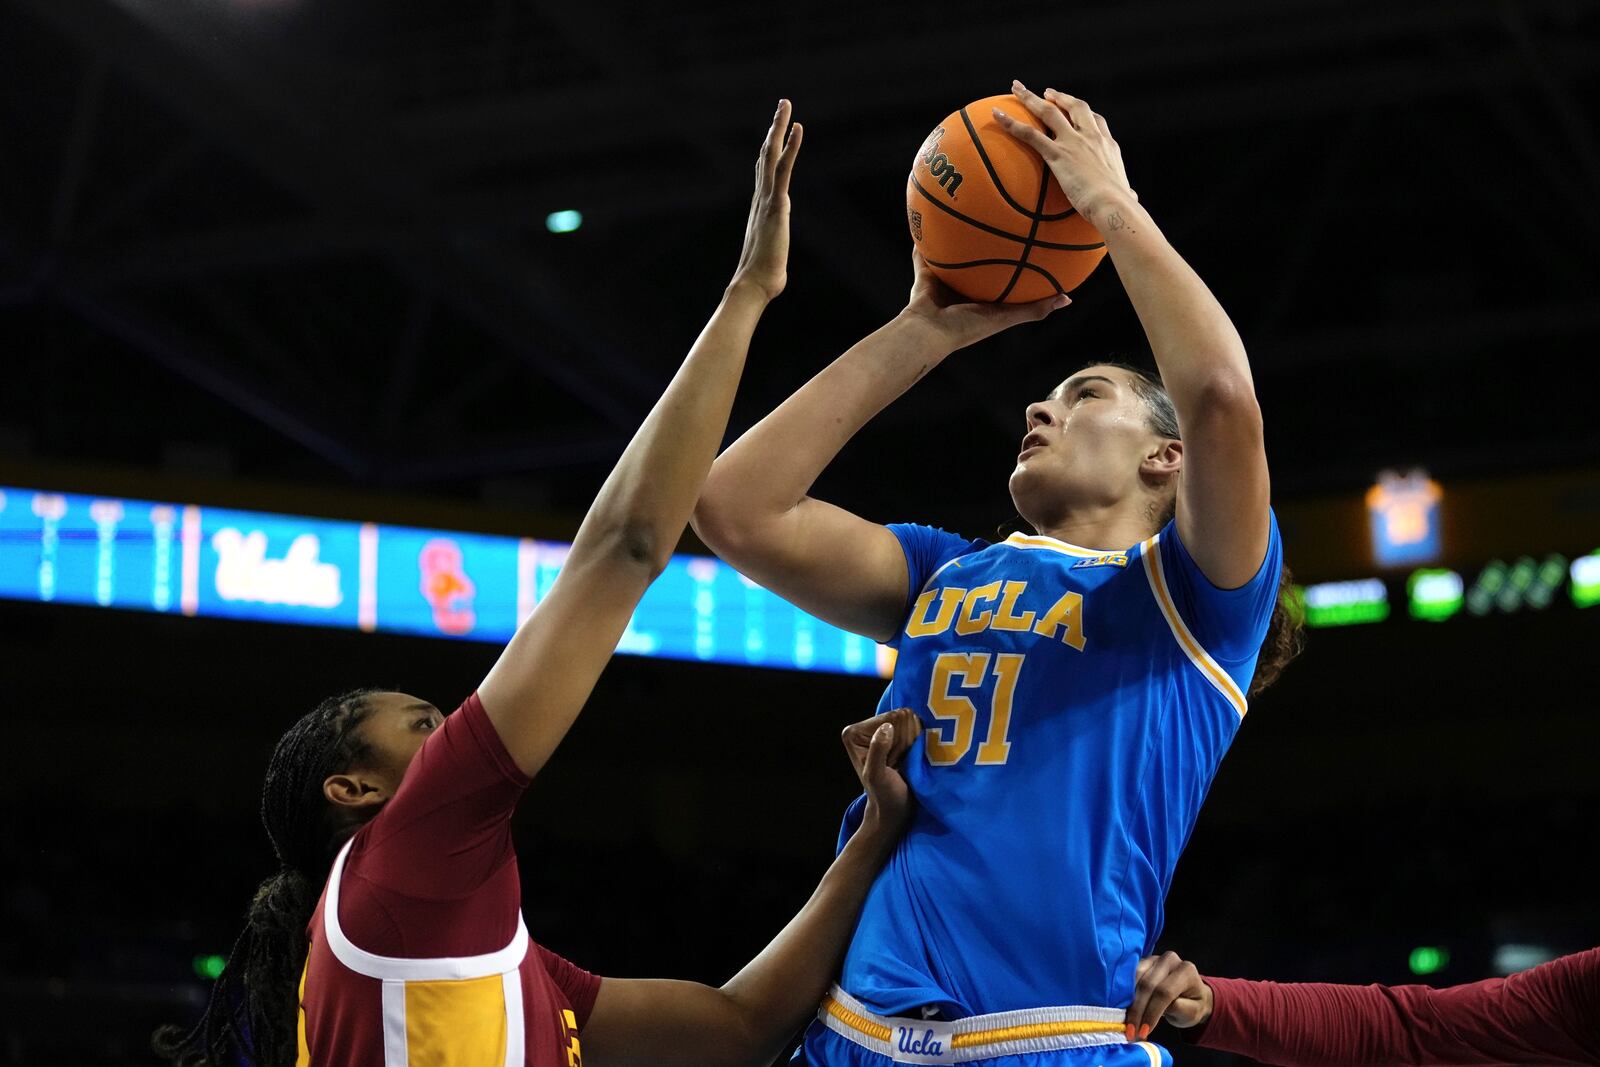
{"x": 1549, "y": 1014}
{"x": 576, "y": 984}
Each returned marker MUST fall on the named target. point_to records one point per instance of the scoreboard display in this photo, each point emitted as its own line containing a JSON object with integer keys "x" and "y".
{"x": 186, "y": 559}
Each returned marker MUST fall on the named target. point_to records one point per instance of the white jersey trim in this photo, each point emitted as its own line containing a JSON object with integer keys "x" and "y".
{"x": 516, "y": 1043}
{"x": 391, "y": 968}
{"x": 396, "y": 1050}
{"x": 1150, "y": 553}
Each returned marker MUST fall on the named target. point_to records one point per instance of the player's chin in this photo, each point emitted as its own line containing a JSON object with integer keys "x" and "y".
{"x": 1042, "y": 482}
{"x": 1036, "y": 463}
{"x": 1029, "y": 483}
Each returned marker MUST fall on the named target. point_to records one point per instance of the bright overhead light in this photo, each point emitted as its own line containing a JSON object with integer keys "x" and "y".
{"x": 1344, "y": 603}
{"x": 1509, "y": 959}
{"x": 1435, "y": 594}
{"x": 1586, "y": 580}
{"x": 563, "y": 221}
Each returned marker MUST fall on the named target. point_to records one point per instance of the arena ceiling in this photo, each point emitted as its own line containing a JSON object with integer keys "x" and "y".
{"x": 307, "y": 241}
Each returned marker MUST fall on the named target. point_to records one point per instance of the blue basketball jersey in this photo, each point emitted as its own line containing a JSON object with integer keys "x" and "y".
{"x": 1076, "y": 704}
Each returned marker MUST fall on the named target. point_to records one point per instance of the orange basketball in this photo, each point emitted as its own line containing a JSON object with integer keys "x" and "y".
{"x": 988, "y": 215}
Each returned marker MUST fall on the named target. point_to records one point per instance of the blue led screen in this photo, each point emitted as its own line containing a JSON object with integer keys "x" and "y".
{"x": 220, "y": 562}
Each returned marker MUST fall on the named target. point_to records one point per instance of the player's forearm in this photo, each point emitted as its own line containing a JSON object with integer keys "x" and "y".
{"x": 770, "y": 469}
{"x": 778, "y": 990}
{"x": 645, "y": 503}
{"x": 1323, "y": 1025}
{"x": 1199, "y": 352}
{"x": 1308, "y": 1024}
{"x": 1541, "y": 1016}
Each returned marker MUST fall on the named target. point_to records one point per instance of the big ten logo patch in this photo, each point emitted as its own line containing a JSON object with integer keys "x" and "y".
{"x": 939, "y": 165}
{"x": 1110, "y": 559}
{"x": 570, "y": 1025}
{"x": 915, "y": 218}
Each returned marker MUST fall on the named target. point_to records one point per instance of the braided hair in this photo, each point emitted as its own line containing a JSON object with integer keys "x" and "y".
{"x": 1286, "y": 629}
{"x": 253, "y": 1009}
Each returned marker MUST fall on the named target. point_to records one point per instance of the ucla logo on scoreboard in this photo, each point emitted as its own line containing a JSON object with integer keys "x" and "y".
{"x": 1110, "y": 559}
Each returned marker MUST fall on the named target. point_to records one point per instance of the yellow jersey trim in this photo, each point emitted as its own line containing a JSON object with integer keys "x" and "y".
{"x": 859, "y": 1023}
{"x": 1021, "y": 540}
{"x": 1031, "y": 1031}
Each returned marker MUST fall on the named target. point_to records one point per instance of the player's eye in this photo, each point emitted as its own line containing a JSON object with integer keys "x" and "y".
{"x": 425, "y": 723}
{"x": 1086, "y": 392}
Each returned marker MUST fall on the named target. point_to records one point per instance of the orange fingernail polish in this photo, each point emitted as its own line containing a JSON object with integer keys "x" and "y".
{"x": 1144, "y": 1031}
{"x": 1130, "y": 1031}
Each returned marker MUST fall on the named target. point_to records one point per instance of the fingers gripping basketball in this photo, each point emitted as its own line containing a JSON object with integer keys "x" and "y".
{"x": 989, "y": 217}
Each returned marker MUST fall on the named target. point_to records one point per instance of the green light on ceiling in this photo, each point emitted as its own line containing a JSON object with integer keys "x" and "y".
{"x": 1509, "y": 588}
{"x": 1586, "y": 580}
{"x": 1480, "y": 601}
{"x": 1547, "y": 578}
{"x": 1434, "y": 594}
{"x": 1429, "y": 959}
{"x": 210, "y": 966}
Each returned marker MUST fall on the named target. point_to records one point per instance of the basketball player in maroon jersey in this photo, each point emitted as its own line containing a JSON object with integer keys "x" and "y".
{"x": 392, "y": 933}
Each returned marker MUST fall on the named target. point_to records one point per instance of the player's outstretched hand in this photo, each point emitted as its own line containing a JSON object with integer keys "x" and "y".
{"x": 1167, "y": 987}
{"x": 764, "y": 263}
{"x": 1078, "y": 149}
{"x": 877, "y": 749}
{"x": 960, "y": 322}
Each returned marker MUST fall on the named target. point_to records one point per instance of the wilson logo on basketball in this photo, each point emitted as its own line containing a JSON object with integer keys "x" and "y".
{"x": 939, "y": 164}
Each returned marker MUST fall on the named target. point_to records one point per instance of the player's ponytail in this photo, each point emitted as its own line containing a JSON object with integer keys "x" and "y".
{"x": 253, "y": 1007}
{"x": 1286, "y": 636}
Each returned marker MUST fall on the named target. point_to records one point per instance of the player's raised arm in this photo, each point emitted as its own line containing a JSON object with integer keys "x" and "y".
{"x": 1223, "y": 489}
{"x": 756, "y": 512}
{"x": 744, "y": 1023}
{"x": 535, "y": 690}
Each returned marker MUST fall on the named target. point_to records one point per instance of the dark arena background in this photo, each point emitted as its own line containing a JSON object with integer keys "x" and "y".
{"x": 427, "y": 264}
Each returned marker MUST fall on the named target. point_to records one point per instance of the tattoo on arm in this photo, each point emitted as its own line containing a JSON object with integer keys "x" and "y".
{"x": 1115, "y": 222}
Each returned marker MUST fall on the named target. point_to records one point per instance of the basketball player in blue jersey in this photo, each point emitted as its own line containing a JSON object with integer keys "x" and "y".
{"x": 1078, "y": 686}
